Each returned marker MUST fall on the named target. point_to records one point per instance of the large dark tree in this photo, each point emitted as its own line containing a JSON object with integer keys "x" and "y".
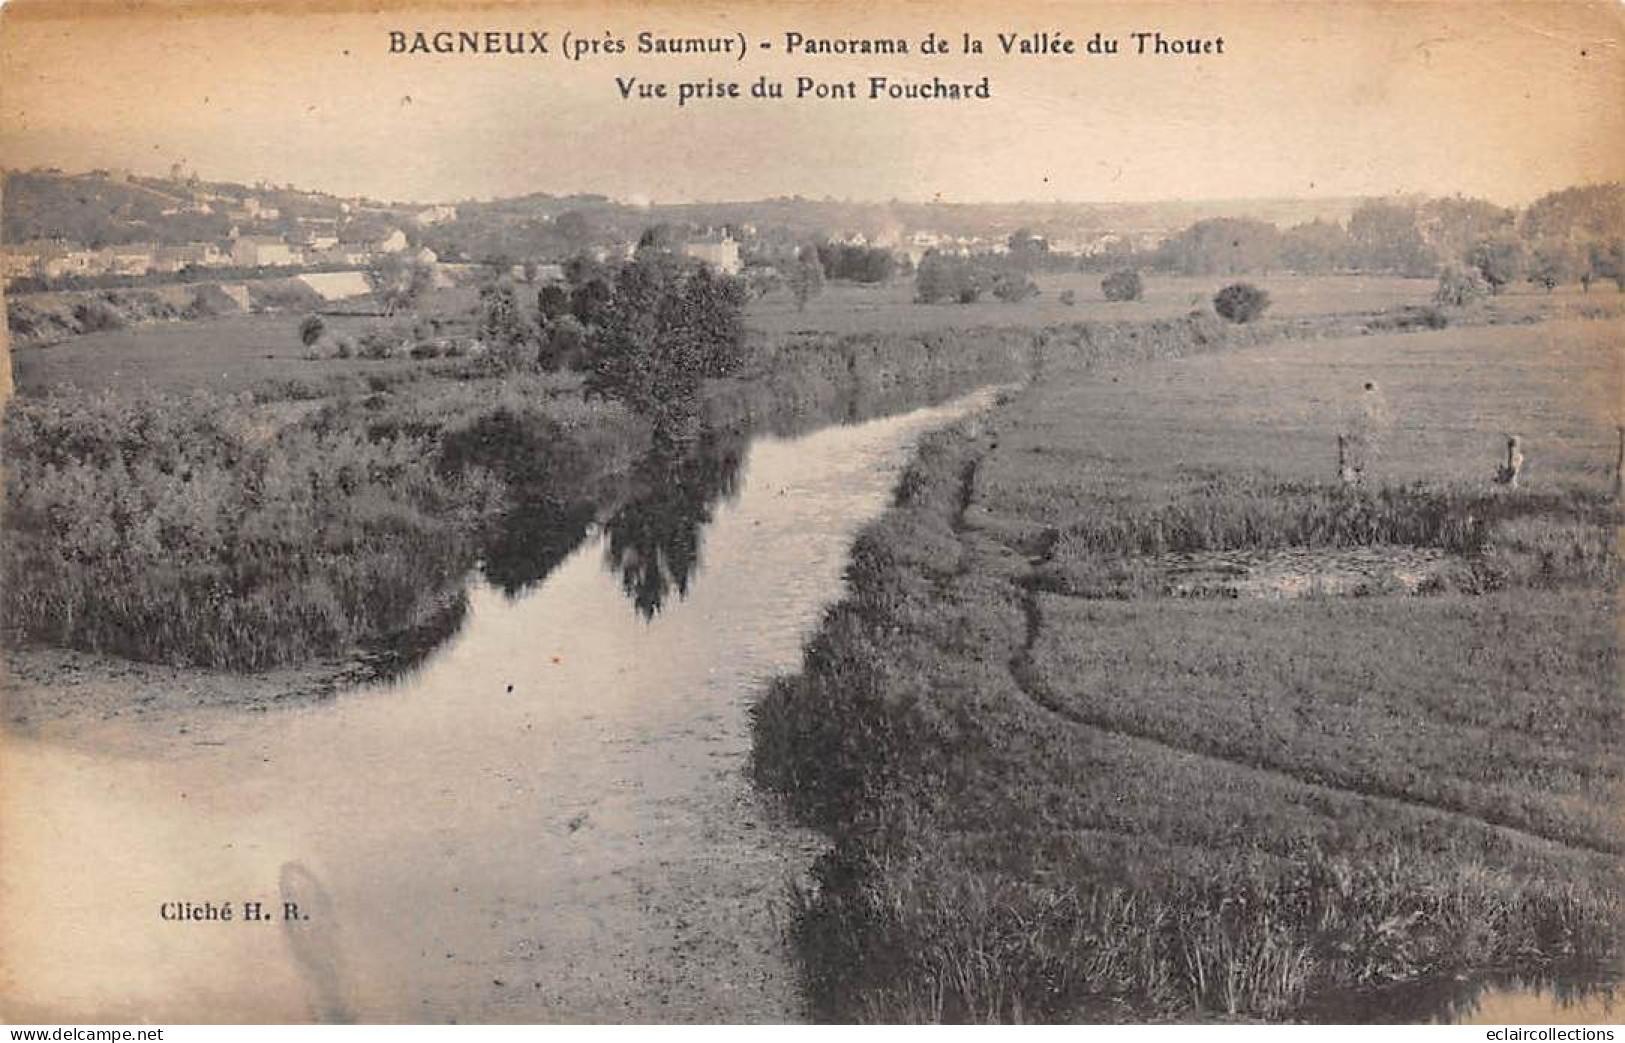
{"x": 664, "y": 330}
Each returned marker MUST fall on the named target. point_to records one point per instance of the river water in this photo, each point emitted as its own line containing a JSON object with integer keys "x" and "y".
{"x": 547, "y": 819}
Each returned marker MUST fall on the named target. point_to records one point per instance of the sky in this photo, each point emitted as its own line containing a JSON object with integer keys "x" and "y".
{"x": 1322, "y": 100}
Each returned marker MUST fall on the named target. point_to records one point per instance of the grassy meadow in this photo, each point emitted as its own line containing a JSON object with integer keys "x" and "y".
{"x": 853, "y": 308}
{"x": 1060, "y": 790}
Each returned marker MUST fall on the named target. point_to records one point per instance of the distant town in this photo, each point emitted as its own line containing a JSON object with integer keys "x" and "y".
{"x": 114, "y": 227}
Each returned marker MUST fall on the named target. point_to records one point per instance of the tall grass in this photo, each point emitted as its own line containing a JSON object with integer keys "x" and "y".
{"x": 1049, "y": 808}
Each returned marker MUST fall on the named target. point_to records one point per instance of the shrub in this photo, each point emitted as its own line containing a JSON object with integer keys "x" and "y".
{"x": 1013, "y": 287}
{"x": 1241, "y": 302}
{"x": 344, "y": 349}
{"x": 382, "y": 342}
{"x": 97, "y": 315}
{"x": 1411, "y": 317}
{"x": 1459, "y": 286}
{"x": 311, "y": 330}
{"x": 1068, "y": 298}
{"x": 1122, "y": 285}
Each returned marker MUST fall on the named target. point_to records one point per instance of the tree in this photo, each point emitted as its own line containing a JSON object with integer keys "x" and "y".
{"x": 1452, "y": 226}
{"x": 937, "y": 278}
{"x": 1386, "y": 236}
{"x": 1241, "y": 302}
{"x": 1122, "y": 285}
{"x": 503, "y": 328}
{"x": 1608, "y": 261}
{"x": 663, "y": 331}
{"x": 1554, "y": 262}
{"x": 1028, "y": 251}
{"x": 1314, "y": 247}
{"x": 552, "y": 302}
{"x": 574, "y": 229}
{"x": 1224, "y": 246}
{"x": 1459, "y": 286}
{"x": 589, "y": 300}
{"x": 1499, "y": 259}
{"x": 806, "y": 277}
{"x": 311, "y": 330}
{"x": 398, "y": 282}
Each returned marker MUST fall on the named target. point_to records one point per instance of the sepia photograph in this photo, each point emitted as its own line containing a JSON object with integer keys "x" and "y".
{"x": 808, "y": 512}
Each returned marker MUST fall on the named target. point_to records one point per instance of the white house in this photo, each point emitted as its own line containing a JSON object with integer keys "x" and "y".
{"x": 721, "y": 253}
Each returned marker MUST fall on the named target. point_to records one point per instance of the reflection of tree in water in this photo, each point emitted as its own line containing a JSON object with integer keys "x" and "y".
{"x": 654, "y": 539}
{"x": 534, "y": 539}
{"x": 544, "y": 469}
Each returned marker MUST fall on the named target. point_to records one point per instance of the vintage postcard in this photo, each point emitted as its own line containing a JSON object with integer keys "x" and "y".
{"x": 777, "y": 511}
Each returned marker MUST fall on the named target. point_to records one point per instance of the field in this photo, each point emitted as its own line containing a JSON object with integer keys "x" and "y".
{"x": 852, "y": 308}
{"x": 1062, "y": 787}
{"x": 226, "y": 354}
{"x": 259, "y": 352}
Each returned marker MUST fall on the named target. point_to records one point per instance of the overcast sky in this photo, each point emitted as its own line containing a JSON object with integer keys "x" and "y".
{"x": 1307, "y": 100}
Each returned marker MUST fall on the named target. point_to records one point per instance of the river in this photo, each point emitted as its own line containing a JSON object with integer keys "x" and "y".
{"x": 546, "y": 819}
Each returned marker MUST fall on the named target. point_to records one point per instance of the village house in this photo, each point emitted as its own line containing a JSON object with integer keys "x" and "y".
{"x": 130, "y": 258}
{"x": 188, "y": 255}
{"x": 263, "y": 251}
{"x": 719, "y": 252}
{"x": 435, "y": 215}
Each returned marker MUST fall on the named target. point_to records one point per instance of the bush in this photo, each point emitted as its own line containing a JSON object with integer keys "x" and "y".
{"x": 311, "y": 330}
{"x": 344, "y": 349}
{"x": 1411, "y": 317}
{"x": 1241, "y": 302}
{"x": 382, "y": 342}
{"x": 1013, "y": 287}
{"x": 1459, "y": 286}
{"x": 1068, "y": 298}
{"x": 1122, "y": 285}
{"x": 97, "y": 315}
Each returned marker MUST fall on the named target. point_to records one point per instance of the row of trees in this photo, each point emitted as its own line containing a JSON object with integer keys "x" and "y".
{"x": 1575, "y": 235}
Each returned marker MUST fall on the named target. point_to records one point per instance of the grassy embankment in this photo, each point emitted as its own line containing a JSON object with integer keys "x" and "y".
{"x": 345, "y": 506}
{"x": 1060, "y": 791}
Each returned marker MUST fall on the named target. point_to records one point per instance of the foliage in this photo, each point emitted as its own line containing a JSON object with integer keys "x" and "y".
{"x": 176, "y": 530}
{"x": 1123, "y": 285}
{"x": 1223, "y": 246}
{"x": 1241, "y": 302}
{"x": 1554, "y": 262}
{"x": 503, "y": 328}
{"x": 398, "y": 281}
{"x": 665, "y": 329}
{"x": 1385, "y": 236}
{"x": 806, "y": 277}
{"x": 1459, "y": 286}
{"x": 848, "y": 261}
{"x": 1499, "y": 259}
{"x": 311, "y": 330}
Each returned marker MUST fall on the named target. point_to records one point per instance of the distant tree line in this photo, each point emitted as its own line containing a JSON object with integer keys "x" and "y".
{"x": 1573, "y": 235}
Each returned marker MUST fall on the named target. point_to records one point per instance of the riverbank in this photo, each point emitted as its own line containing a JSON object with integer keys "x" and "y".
{"x": 1063, "y": 785}
{"x": 547, "y": 819}
{"x": 304, "y": 522}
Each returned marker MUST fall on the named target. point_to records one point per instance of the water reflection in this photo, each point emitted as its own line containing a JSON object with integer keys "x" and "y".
{"x": 654, "y": 517}
{"x": 535, "y": 537}
{"x": 653, "y": 540}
